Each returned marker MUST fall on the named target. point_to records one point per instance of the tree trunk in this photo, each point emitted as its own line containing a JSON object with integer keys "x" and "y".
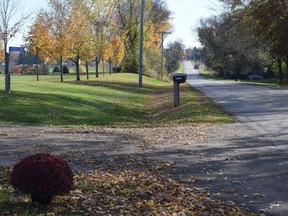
{"x": 37, "y": 61}
{"x": 280, "y": 71}
{"x": 103, "y": 64}
{"x": 286, "y": 63}
{"x": 110, "y": 65}
{"x": 97, "y": 69}
{"x": 61, "y": 68}
{"x": 97, "y": 60}
{"x": 38, "y": 68}
{"x": 77, "y": 63}
{"x": 43, "y": 66}
{"x": 87, "y": 70}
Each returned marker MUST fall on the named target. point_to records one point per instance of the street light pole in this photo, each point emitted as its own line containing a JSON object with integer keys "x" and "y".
{"x": 140, "y": 64}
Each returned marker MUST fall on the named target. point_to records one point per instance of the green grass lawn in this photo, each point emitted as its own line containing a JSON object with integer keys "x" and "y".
{"x": 111, "y": 100}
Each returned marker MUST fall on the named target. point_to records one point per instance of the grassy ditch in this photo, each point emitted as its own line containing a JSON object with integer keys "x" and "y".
{"x": 111, "y": 100}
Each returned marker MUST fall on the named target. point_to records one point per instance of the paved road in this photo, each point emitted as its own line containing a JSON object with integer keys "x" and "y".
{"x": 251, "y": 167}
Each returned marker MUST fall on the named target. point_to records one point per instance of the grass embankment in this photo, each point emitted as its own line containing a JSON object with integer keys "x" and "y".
{"x": 181, "y": 68}
{"x": 263, "y": 82}
{"x": 108, "y": 100}
{"x": 209, "y": 74}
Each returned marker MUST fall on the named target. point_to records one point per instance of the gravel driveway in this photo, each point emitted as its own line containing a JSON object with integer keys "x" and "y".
{"x": 245, "y": 163}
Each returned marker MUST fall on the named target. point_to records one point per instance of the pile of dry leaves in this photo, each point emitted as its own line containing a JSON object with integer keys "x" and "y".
{"x": 130, "y": 193}
{"x": 133, "y": 187}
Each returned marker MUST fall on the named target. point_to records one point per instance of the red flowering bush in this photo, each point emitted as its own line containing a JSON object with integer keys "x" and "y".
{"x": 42, "y": 176}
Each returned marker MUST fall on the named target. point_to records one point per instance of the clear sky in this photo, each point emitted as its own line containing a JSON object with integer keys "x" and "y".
{"x": 32, "y": 7}
{"x": 186, "y": 16}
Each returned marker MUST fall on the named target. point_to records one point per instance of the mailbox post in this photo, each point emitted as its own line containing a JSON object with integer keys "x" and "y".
{"x": 177, "y": 80}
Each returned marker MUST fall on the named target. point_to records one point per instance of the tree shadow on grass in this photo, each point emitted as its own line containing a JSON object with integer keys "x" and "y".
{"x": 53, "y": 109}
{"x": 119, "y": 86}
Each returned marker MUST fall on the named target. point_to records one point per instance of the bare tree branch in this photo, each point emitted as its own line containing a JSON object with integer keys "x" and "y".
{"x": 9, "y": 26}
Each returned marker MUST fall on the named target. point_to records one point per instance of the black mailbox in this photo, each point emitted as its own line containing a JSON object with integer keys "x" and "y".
{"x": 178, "y": 78}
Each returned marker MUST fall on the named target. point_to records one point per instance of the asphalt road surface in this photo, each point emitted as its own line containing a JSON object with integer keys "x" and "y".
{"x": 249, "y": 168}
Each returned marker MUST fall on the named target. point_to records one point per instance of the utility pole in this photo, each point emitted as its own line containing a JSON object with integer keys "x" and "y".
{"x": 162, "y": 33}
{"x": 140, "y": 64}
{"x": 7, "y": 72}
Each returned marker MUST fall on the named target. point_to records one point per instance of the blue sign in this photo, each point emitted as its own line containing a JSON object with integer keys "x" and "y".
{"x": 16, "y": 49}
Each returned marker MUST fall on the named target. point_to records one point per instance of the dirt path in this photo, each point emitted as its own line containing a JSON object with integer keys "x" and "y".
{"x": 81, "y": 145}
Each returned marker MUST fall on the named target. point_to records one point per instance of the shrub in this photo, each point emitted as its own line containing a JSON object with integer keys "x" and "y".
{"x": 56, "y": 69}
{"x": 65, "y": 70}
{"x": 42, "y": 176}
{"x": 117, "y": 69}
{"x": 16, "y": 69}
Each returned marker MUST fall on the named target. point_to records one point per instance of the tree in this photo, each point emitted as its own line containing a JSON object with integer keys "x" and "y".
{"x": 174, "y": 55}
{"x": 9, "y": 26}
{"x": 231, "y": 48}
{"x": 39, "y": 40}
{"x": 118, "y": 50}
{"x": 80, "y": 32}
{"x": 156, "y": 31}
{"x": 156, "y": 19}
{"x": 87, "y": 48}
{"x": 87, "y": 55}
{"x": 101, "y": 22}
{"x": 107, "y": 56}
{"x": 114, "y": 52}
{"x": 61, "y": 30}
{"x": 128, "y": 12}
{"x": 273, "y": 28}
{"x": 269, "y": 20}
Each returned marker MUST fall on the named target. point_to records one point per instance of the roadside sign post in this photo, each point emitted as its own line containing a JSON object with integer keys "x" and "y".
{"x": 7, "y": 74}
